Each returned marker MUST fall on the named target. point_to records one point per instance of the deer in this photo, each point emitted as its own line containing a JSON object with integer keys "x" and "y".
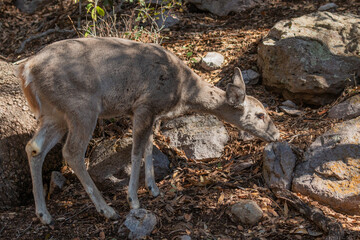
{"x": 72, "y": 83}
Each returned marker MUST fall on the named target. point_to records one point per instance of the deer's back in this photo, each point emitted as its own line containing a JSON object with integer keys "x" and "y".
{"x": 109, "y": 75}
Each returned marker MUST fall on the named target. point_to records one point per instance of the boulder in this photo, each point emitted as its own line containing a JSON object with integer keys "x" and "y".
{"x": 110, "y": 163}
{"x": 199, "y": 136}
{"x": 224, "y": 7}
{"x": 212, "y": 61}
{"x": 331, "y": 171}
{"x": 247, "y": 211}
{"x": 17, "y": 125}
{"x": 310, "y": 59}
{"x": 347, "y": 109}
{"x": 278, "y": 165}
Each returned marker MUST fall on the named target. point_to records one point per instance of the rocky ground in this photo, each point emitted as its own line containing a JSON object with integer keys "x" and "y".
{"x": 197, "y": 195}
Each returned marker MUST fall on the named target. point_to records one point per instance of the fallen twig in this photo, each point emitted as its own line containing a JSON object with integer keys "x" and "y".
{"x": 2, "y": 229}
{"x": 81, "y": 211}
{"x": 18, "y": 235}
{"x": 47, "y": 32}
{"x": 333, "y": 229}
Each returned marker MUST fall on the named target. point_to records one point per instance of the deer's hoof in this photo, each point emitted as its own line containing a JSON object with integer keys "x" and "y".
{"x": 45, "y": 217}
{"x": 109, "y": 213}
{"x": 154, "y": 190}
{"x": 134, "y": 203}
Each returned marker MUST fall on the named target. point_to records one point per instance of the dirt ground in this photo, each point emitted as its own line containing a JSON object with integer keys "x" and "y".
{"x": 197, "y": 195}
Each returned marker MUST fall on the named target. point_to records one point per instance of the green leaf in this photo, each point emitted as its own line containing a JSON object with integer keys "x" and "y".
{"x": 100, "y": 11}
{"x": 89, "y": 6}
{"x": 138, "y": 19}
{"x": 189, "y": 54}
{"x": 195, "y": 61}
{"x": 88, "y": 32}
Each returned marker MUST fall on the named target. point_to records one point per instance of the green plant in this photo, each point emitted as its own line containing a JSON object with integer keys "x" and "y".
{"x": 94, "y": 9}
{"x": 139, "y": 24}
{"x": 190, "y": 53}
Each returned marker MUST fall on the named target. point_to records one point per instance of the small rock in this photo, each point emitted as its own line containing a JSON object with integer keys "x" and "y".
{"x": 289, "y": 103}
{"x": 247, "y": 211}
{"x": 291, "y": 111}
{"x": 347, "y": 109}
{"x": 140, "y": 222}
{"x": 212, "y": 61}
{"x": 167, "y": 19}
{"x": 185, "y": 237}
{"x": 224, "y": 7}
{"x": 278, "y": 165}
{"x": 57, "y": 181}
{"x": 250, "y": 77}
{"x": 327, "y": 6}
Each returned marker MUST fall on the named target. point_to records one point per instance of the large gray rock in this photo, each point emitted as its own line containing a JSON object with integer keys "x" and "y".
{"x": 140, "y": 222}
{"x": 110, "y": 163}
{"x": 224, "y": 7}
{"x": 310, "y": 59}
{"x": 331, "y": 170}
{"x": 278, "y": 165}
{"x": 347, "y": 109}
{"x": 200, "y": 137}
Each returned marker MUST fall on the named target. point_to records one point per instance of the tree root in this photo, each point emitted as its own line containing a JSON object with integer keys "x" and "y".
{"x": 333, "y": 229}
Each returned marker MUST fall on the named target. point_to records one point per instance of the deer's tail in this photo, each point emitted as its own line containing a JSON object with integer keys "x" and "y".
{"x": 23, "y": 71}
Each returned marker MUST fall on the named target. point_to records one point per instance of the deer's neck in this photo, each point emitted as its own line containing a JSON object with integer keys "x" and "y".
{"x": 208, "y": 99}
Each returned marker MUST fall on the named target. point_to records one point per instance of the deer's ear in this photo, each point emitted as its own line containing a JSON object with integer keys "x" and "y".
{"x": 236, "y": 92}
{"x": 235, "y": 95}
{"x": 238, "y": 78}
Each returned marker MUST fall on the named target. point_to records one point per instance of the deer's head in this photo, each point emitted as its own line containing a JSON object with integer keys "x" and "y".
{"x": 249, "y": 113}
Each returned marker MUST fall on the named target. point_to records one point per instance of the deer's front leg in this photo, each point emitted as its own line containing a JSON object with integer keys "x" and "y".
{"x": 149, "y": 169}
{"x": 142, "y": 132}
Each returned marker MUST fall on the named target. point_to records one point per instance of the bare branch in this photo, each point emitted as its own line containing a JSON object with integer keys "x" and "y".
{"x": 49, "y": 31}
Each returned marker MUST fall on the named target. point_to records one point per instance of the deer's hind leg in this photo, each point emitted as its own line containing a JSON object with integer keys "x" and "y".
{"x": 50, "y": 132}
{"x": 80, "y": 131}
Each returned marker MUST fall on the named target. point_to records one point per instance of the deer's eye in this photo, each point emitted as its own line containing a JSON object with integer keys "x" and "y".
{"x": 260, "y": 116}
